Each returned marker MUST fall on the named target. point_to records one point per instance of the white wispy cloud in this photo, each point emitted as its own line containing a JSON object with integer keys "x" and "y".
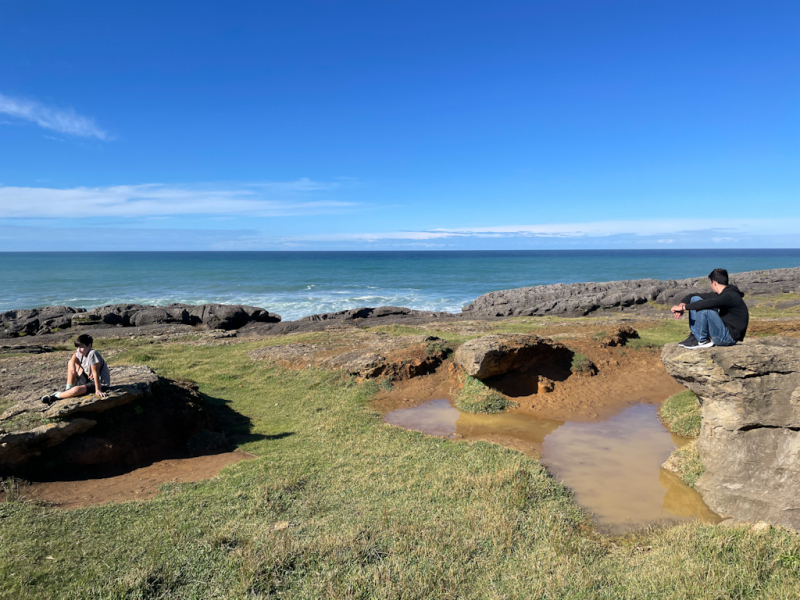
{"x": 154, "y": 200}
{"x": 63, "y": 120}
{"x": 722, "y": 229}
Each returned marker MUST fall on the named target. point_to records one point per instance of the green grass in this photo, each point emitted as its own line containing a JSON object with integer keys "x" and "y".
{"x": 686, "y": 460}
{"x": 476, "y": 397}
{"x": 580, "y": 363}
{"x": 681, "y": 414}
{"x": 665, "y": 332}
{"x": 373, "y": 511}
{"x": 25, "y": 422}
{"x": 766, "y": 306}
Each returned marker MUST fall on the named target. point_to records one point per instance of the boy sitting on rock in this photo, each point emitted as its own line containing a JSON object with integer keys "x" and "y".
{"x": 87, "y": 373}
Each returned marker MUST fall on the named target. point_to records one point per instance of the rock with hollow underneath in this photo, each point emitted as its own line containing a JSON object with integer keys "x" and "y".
{"x": 498, "y": 354}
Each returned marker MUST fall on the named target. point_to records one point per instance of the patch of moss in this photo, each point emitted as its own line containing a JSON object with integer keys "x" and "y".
{"x": 476, "y": 397}
{"x": 25, "y": 422}
{"x": 681, "y": 414}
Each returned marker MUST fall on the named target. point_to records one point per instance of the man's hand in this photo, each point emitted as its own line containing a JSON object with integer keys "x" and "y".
{"x": 678, "y": 310}
{"x": 101, "y": 394}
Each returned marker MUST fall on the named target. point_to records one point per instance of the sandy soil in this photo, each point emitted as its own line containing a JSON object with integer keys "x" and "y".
{"x": 141, "y": 484}
{"x": 625, "y": 377}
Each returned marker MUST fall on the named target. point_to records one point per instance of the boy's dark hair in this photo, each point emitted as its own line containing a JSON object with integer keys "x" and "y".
{"x": 719, "y": 275}
{"x": 84, "y": 339}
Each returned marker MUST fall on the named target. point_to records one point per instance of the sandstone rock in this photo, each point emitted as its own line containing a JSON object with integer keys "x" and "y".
{"x": 620, "y": 337}
{"x": 367, "y": 355}
{"x": 497, "y": 354}
{"x": 130, "y": 383}
{"x": 145, "y": 418}
{"x": 750, "y": 434}
{"x": 19, "y": 448}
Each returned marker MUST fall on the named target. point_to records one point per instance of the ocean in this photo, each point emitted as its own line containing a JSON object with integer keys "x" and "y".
{"x": 297, "y": 284}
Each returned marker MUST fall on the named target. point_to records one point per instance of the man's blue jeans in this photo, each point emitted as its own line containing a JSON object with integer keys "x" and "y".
{"x": 708, "y": 324}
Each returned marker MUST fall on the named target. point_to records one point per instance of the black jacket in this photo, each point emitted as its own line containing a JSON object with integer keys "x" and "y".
{"x": 729, "y": 305}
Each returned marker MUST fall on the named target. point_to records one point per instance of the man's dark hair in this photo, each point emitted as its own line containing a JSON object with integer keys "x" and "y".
{"x": 84, "y": 339}
{"x": 720, "y": 276}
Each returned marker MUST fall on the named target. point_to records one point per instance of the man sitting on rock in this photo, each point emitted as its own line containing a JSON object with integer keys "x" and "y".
{"x": 718, "y": 318}
{"x": 87, "y": 372}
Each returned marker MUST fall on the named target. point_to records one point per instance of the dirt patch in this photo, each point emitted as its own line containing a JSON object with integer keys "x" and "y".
{"x": 140, "y": 484}
{"x": 626, "y": 377}
{"x": 776, "y": 327}
{"x": 363, "y": 354}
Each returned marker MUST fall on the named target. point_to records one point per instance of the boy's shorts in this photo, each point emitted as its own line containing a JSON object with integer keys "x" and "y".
{"x": 84, "y": 380}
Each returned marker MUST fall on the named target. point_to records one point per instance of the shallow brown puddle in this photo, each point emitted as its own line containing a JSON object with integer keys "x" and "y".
{"x": 613, "y": 466}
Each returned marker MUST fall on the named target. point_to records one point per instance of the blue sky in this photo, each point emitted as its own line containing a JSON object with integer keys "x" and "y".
{"x": 399, "y": 125}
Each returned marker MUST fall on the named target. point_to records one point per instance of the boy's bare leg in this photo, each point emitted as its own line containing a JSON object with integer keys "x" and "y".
{"x": 72, "y": 373}
{"x": 78, "y": 390}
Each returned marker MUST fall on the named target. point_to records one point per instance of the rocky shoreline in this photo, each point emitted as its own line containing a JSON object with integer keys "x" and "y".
{"x": 576, "y": 299}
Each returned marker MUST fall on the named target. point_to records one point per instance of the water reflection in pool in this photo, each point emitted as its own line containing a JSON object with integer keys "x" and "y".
{"x": 612, "y": 466}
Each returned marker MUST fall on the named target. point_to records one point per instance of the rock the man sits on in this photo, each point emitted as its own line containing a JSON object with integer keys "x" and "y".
{"x": 87, "y": 372}
{"x": 718, "y": 318}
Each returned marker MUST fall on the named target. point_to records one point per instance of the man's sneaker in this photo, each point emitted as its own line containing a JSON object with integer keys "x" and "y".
{"x": 694, "y": 344}
{"x": 689, "y": 342}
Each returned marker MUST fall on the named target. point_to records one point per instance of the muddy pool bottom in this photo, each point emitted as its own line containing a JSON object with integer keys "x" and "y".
{"x": 612, "y": 466}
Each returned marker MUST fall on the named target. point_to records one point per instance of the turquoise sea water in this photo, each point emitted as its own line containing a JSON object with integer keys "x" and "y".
{"x": 296, "y": 284}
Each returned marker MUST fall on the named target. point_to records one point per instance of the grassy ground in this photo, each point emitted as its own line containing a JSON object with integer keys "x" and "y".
{"x": 373, "y": 511}
{"x": 687, "y": 463}
{"x": 681, "y": 414}
{"x": 476, "y": 397}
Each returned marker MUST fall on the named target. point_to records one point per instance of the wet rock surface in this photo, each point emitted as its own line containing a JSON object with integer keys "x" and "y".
{"x": 366, "y": 355}
{"x": 750, "y": 434}
{"x": 143, "y": 418}
{"x": 580, "y": 299}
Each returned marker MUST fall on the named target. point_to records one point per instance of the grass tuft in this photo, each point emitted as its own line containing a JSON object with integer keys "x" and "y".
{"x": 681, "y": 414}
{"x": 685, "y": 462}
{"x": 476, "y": 397}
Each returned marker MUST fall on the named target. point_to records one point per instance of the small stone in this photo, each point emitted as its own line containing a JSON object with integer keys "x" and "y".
{"x": 281, "y": 525}
{"x": 761, "y": 527}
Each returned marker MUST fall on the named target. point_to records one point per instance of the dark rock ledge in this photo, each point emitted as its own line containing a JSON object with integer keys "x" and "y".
{"x": 580, "y": 299}
{"x": 37, "y": 321}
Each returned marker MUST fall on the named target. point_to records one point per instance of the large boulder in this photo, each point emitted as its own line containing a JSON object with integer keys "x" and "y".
{"x": 750, "y": 434}
{"x": 498, "y": 354}
{"x": 231, "y": 316}
{"x": 143, "y": 418}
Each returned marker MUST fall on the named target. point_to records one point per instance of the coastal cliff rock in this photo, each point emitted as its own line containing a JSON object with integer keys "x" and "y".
{"x": 750, "y": 434}
{"x": 579, "y": 299}
{"x": 38, "y": 321}
{"x": 143, "y": 418}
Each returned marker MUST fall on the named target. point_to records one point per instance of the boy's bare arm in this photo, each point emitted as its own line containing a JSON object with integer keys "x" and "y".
{"x": 76, "y": 364}
{"x": 98, "y": 387}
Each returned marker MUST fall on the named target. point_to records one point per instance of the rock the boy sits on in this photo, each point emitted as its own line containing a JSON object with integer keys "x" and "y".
{"x": 718, "y": 318}
{"x": 87, "y": 373}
